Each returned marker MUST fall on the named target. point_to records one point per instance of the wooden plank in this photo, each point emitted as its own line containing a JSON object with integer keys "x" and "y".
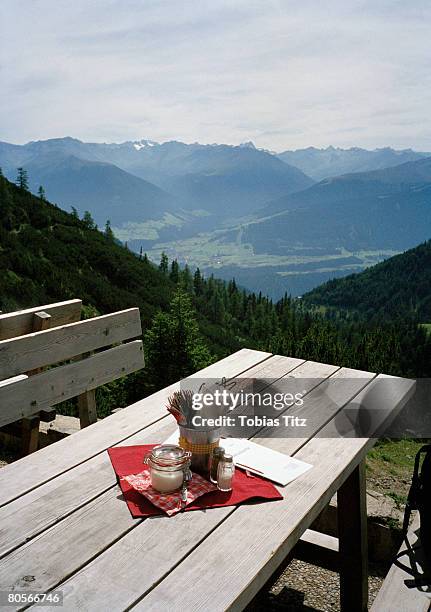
{"x": 11, "y": 381}
{"x": 26, "y": 517}
{"x": 47, "y": 504}
{"x": 30, "y": 426}
{"x": 30, "y": 517}
{"x": 35, "y": 350}
{"x": 20, "y": 322}
{"x": 30, "y": 435}
{"x": 324, "y": 402}
{"x": 138, "y": 546}
{"x": 52, "y": 501}
{"x": 318, "y": 549}
{"x": 141, "y": 562}
{"x": 87, "y": 408}
{"x": 41, "y": 322}
{"x": 401, "y": 589}
{"x": 59, "y": 384}
{"x": 262, "y": 537}
{"x": 52, "y": 461}
{"x": 303, "y": 378}
{"x": 353, "y": 541}
{"x": 123, "y": 595}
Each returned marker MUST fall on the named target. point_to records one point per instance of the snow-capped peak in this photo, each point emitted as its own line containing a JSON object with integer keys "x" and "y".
{"x": 144, "y": 144}
{"x": 247, "y": 145}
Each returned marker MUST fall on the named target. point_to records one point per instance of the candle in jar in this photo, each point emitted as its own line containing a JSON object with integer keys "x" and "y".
{"x": 166, "y": 482}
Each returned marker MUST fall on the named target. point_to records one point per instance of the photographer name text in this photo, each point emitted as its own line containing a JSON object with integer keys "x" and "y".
{"x": 243, "y": 420}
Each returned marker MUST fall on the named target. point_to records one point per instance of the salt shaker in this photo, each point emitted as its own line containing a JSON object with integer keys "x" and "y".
{"x": 225, "y": 472}
{"x": 217, "y": 454}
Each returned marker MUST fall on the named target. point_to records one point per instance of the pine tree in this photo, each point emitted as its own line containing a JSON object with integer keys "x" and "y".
{"x": 140, "y": 252}
{"x": 217, "y": 309}
{"x": 186, "y": 280}
{"x": 192, "y": 354}
{"x": 108, "y": 231}
{"x": 164, "y": 262}
{"x": 175, "y": 271}
{"x": 22, "y": 179}
{"x": 198, "y": 282}
{"x": 41, "y": 193}
{"x": 159, "y": 352}
{"x": 173, "y": 344}
{"x": 74, "y": 212}
{"x": 88, "y": 220}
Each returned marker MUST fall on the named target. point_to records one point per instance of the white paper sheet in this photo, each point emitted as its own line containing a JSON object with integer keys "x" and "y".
{"x": 260, "y": 460}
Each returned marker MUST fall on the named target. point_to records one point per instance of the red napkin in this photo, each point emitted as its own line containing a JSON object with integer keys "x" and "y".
{"x": 128, "y": 460}
{"x": 171, "y": 503}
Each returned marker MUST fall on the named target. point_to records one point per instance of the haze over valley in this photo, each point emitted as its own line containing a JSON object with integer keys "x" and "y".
{"x": 277, "y": 222}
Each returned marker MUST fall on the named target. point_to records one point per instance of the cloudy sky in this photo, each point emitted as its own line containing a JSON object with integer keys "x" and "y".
{"x": 283, "y": 73}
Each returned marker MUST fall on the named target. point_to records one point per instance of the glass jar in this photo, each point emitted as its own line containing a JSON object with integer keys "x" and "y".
{"x": 168, "y": 465}
{"x": 225, "y": 472}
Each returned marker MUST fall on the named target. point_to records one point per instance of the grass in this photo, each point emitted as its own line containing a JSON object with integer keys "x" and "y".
{"x": 147, "y": 230}
{"x": 211, "y": 249}
{"x": 390, "y": 468}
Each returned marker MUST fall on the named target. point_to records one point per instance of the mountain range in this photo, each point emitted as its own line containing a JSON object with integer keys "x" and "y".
{"x": 102, "y": 188}
{"x": 335, "y": 227}
{"x": 324, "y": 163}
{"x": 49, "y": 255}
{"x": 388, "y": 209}
{"x": 241, "y": 211}
{"x": 222, "y": 180}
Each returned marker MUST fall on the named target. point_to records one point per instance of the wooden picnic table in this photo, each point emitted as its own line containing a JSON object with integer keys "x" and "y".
{"x": 64, "y": 525}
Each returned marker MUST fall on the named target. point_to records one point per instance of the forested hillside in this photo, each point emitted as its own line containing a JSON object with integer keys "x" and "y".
{"x": 49, "y": 255}
{"x": 398, "y": 286}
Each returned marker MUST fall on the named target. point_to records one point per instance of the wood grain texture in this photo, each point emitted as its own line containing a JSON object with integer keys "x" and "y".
{"x": 27, "y": 520}
{"x": 262, "y": 538}
{"x": 139, "y": 572}
{"x": 399, "y": 591}
{"x": 79, "y": 485}
{"x": 228, "y": 559}
{"x": 20, "y": 322}
{"x": 326, "y": 399}
{"x": 84, "y": 481}
{"x": 64, "y": 382}
{"x": 58, "y": 496}
{"x": 50, "y": 346}
{"x": 87, "y": 408}
{"x": 49, "y": 462}
{"x": 30, "y": 426}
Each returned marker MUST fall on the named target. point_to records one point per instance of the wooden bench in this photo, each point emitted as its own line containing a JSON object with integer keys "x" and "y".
{"x": 19, "y": 323}
{"x": 35, "y": 339}
{"x": 406, "y": 588}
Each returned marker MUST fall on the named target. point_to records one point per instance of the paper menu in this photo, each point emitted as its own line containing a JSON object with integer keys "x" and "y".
{"x": 260, "y": 460}
{"x": 263, "y": 461}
